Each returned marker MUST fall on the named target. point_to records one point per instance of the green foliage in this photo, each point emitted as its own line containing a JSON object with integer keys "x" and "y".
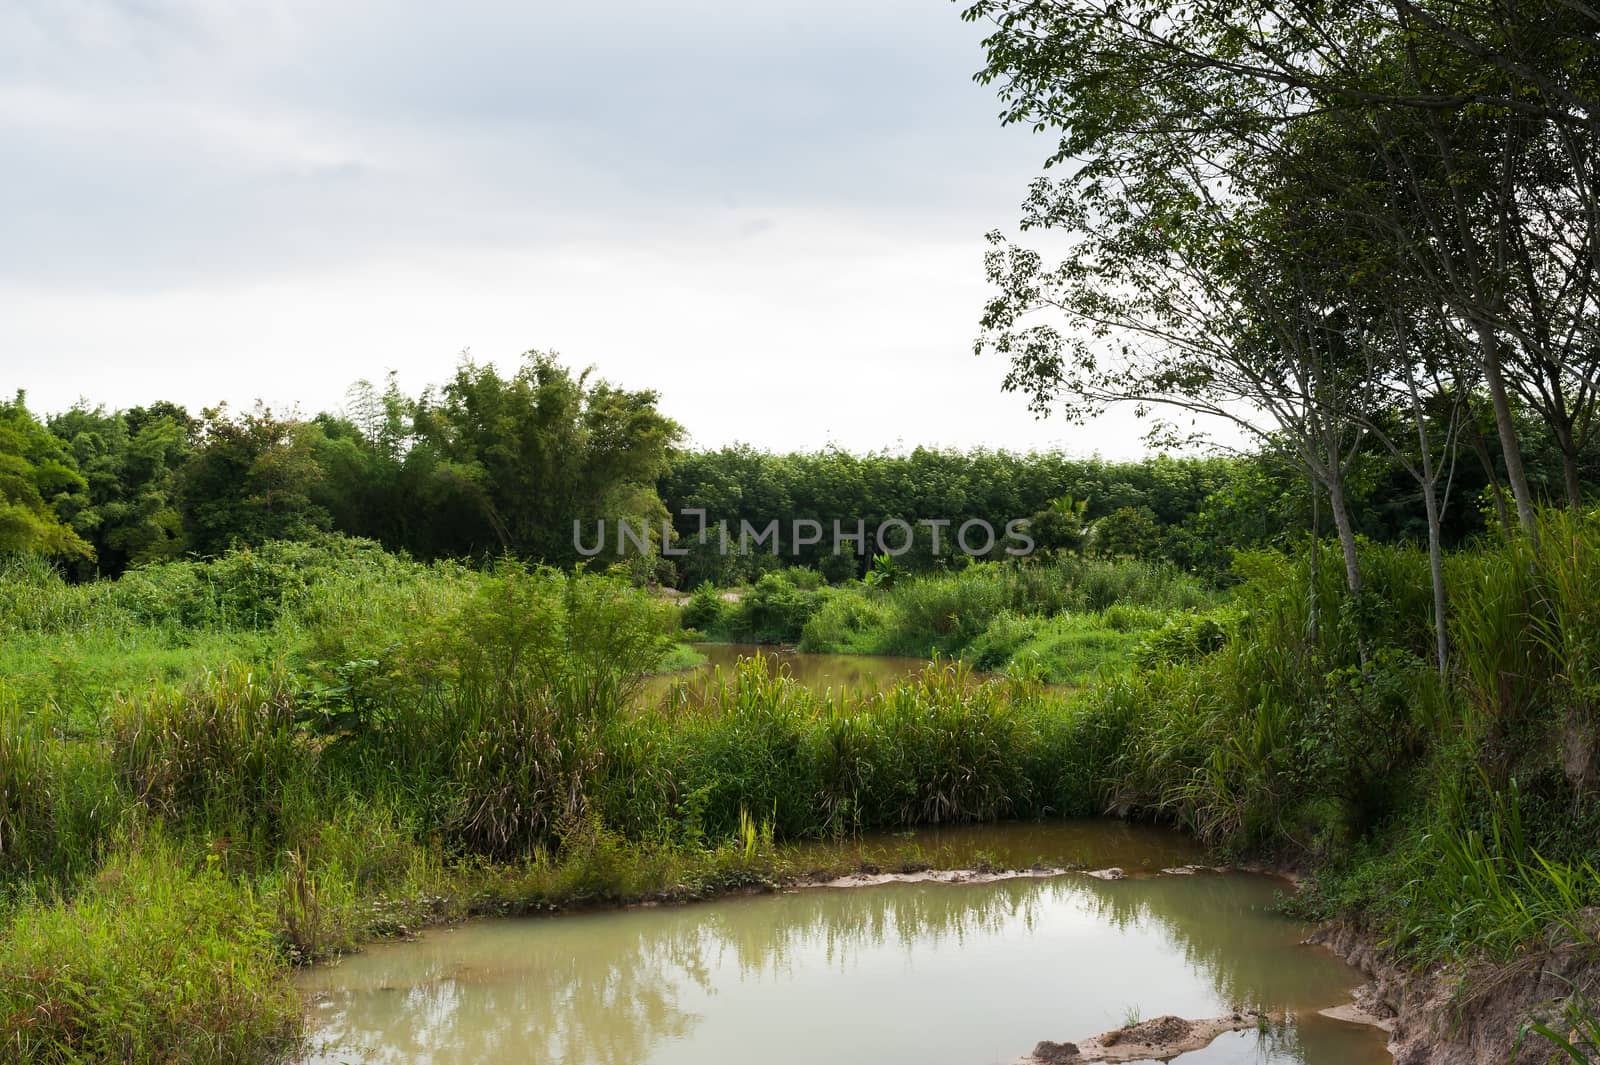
{"x": 1573, "y": 1030}
{"x": 27, "y": 828}
{"x": 222, "y": 750}
{"x": 510, "y": 464}
{"x": 129, "y": 460}
{"x": 740, "y": 484}
{"x": 1127, "y": 532}
{"x": 155, "y": 959}
{"x": 437, "y": 740}
{"x": 250, "y": 480}
{"x": 883, "y": 574}
{"x": 1184, "y": 639}
{"x": 38, "y": 482}
{"x": 703, "y": 611}
{"x": 1070, "y": 615}
{"x": 775, "y": 610}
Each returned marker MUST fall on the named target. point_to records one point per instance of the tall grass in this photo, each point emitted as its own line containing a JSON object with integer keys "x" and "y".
{"x": 154, "y": 959}
{"x": 222, "y": 750}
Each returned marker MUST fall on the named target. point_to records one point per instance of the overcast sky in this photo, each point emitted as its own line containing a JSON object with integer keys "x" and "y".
{"x": 771, "y": 212}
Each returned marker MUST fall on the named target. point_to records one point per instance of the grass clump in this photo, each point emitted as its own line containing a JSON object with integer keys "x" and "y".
{"x": 153, "y": 959}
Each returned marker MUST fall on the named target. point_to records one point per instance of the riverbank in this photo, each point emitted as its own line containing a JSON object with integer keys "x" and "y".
{"x": 1475, "y": 1012}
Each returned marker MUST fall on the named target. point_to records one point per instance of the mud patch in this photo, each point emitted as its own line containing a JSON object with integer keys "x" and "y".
{"x": 1158, "y": 1039}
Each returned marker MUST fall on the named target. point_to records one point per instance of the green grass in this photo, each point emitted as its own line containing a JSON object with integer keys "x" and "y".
{"x": 157, "y": 958}
{"x": 1064, "y": 621}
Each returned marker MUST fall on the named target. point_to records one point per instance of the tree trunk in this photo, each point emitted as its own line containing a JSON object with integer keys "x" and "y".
{"x": 1509, "y": 448}
{"x": 1347, "y": 534}
{"x": 1313, "y": 618}
{"x": 1441, "y": 632}
{"x": 1569, "y": 466}
{"x": 1352, "y": 565}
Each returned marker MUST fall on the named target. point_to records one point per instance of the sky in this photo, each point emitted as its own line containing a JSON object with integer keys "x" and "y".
{"x": 771, "y": 213}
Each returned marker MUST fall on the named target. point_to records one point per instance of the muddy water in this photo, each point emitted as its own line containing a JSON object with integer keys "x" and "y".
{"x": 897, "y": 974}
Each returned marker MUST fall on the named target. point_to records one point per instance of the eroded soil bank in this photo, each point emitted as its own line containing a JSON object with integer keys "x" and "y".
{"x": 1467, "y": 1015}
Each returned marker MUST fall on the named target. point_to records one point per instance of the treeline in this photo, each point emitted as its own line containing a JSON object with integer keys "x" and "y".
{"x": 486, "y": 464}
{"x": 490, "y": 464}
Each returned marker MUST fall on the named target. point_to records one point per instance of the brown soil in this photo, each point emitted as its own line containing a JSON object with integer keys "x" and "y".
{"x": 1463, "y": 1015}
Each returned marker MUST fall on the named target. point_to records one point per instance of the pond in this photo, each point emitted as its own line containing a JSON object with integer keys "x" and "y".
{"x": 899, "y": 973}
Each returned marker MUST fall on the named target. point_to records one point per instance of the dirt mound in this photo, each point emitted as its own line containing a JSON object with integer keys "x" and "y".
{"x": 1154, "y": 1032}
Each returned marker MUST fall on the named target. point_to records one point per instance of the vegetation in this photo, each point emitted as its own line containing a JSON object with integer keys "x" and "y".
{"x": 390, "y": 743}
{"x": 1362, "y": 234}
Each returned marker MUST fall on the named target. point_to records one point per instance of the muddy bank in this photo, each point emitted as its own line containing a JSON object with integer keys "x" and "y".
{"x": 869, "y": 877}
{"x": 1464, "y": 1015}
{"x": 1158, "y": 1039}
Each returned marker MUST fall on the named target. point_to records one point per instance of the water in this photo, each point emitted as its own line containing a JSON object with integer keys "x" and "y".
{"x": 818, "y": 672}
{"x": 897, "y": 974}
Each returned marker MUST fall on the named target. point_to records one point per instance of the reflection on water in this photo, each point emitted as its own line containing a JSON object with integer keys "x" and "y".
{"x": 814, "y": 671}
{"x": 902, "y": 973}
{"x": 1089, "y": 843}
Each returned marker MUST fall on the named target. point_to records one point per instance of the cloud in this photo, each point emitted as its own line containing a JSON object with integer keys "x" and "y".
{"x": 718, "y": 199}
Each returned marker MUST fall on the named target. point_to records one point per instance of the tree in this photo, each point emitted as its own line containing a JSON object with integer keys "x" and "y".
{"x": 130, "y": 461}
{"x": 1059, "y": 526}
{"x": 509, "y": 464}
{"x": 1483, "y": 116}
{"x": 1126, "y": 532}
{"x": 250, "y": 479}
{"x": 37, "y": 481}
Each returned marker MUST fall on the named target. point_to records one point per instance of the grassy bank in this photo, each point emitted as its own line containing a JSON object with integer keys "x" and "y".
{"x": 210, "y": 772}
{"x": 1452, "y": 815}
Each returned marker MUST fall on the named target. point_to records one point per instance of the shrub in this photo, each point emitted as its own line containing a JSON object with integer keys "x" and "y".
{"x": 775, "y": 611}
{"x": 1183, "y": 639}
{"x": 223, "y": 748}
{"x": 703, "y": 611}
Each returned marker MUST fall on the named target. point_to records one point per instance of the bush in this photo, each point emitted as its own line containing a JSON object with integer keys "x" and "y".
{"x": 775, "y": 610}
{"x": 703, "y": 611}
{"x": 1184, "y": 639}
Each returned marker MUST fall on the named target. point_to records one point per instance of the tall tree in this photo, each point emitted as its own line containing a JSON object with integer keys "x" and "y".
{"x": 250, "y": 479}
{"x": 39, "y": 488}
{"x": 130, "y": 461}
{"x": 1460, "y": 97}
